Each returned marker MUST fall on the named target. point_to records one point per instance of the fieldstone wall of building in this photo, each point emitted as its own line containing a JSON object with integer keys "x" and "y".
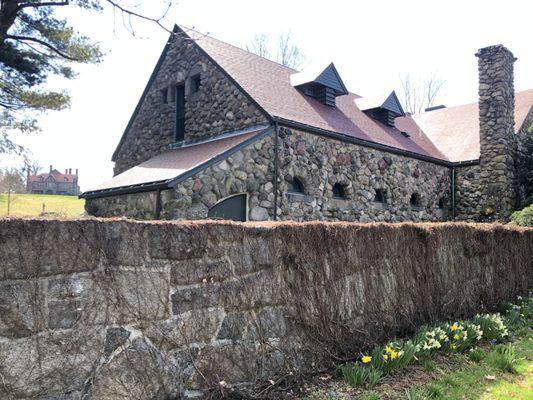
{"x": 137, "y": 205}
{"x": 217, "y": 106}
{"x": 468, "y": 194}
{"x": 319, "y": 163}
{"x": 111, "y": 309}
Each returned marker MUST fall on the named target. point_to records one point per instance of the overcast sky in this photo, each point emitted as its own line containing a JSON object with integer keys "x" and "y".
{"x": 371, "y": 43}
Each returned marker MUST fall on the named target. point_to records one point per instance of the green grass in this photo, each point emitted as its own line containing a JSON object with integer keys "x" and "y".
{"x": 31, "y": 205}
{"x": 504, "y": 373}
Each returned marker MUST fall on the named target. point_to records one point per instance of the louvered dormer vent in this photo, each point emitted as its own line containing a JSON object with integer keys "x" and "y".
{"x": 383, "y": 111}
{"x": 324, "y": 87}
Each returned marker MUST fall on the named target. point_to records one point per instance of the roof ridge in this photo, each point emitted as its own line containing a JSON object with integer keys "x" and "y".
{"x": 462, "y": 105}
{"x": 187, "y": 29}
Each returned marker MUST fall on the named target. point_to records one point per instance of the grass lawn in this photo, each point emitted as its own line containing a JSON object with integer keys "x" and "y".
{"x": 31, "y": 205}
{"x": 485, "y": 380}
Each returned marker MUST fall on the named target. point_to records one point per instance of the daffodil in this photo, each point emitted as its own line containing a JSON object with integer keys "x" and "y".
{"x": 385, "y": 357}
{"x": 454, "y": 327}
{"x": 456, "y": 337}
{"x": 454, "y": 346}
{"x": 366, "y": 359}
{"x": 393, "y": 355}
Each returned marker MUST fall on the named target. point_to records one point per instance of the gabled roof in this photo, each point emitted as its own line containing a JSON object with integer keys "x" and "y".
{"x": 171, "y": 167}
{"x": 455, "y": 130}
{"x": 269, "y": 85}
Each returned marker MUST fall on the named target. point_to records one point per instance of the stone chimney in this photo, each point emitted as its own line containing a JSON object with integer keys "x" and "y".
{"x": 496, "y": 131}
{"x": 50, "y": 169}
{"x": 76, "y": 171}
{"x": 66, "y": 171}
{"x": 70, "y": 171}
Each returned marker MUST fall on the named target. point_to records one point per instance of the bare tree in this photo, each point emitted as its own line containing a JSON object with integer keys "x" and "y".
{"x": 31, "y": 167}
{"x": 11, "y": 181}
{"x": 421, "y": 94}
{"x": 260, "y": 45}
{"x": 287, "y": 53}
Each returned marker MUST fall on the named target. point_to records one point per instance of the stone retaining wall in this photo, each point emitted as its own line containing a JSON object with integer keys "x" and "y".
{"x": 116, "y": 309}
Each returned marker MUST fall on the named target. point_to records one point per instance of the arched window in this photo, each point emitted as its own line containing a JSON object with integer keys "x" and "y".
{"x": 232, "y": 208}
{"x": 415, "y": 200}
{"x": 339, "y": 191}
{"x": 296, "y": 186}
{"x": 380, "y": 196}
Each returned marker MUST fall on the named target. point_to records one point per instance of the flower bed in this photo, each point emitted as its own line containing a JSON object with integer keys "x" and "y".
{"x": 443, "y": 338}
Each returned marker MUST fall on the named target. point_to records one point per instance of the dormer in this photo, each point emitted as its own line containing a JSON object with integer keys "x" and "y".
{"x": 325, "y": 86}
{"x": 384, "y": 111}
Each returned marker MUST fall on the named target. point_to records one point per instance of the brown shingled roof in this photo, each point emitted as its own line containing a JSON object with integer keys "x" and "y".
{"x": 268, "y": 83}
{"x": 455, "y": 130}
{"x": 55, "y": 174}
{"x": 175, "y": 163}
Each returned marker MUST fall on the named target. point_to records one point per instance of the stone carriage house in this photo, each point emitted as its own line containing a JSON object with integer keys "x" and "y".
{"x": 223, "y": 133}
{"x": 54, "y": 182}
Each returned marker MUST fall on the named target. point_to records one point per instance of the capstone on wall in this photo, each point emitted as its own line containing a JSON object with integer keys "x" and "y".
{"x": 318, "y": 163}
{"x": 107, "y": 310}
{"x": 217, "y": 106}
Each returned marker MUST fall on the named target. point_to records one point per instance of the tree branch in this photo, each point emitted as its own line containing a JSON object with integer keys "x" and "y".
{"x": 42, "y": 43}
{"x": 47, "y": 4}
{"x": 157, "y": 21}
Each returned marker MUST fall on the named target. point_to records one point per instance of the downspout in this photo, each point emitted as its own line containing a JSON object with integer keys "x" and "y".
{"x": 276, "y": 170}
{"x": 453, "y": 193}
{"x": 157, "y": 211}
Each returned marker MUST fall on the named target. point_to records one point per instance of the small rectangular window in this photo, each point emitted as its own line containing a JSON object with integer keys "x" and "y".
{"x": 196, "y": 82}
{"x": 173, "y": 94}
{"x": 164, "y": 95}
{"x": 179, "y": 130}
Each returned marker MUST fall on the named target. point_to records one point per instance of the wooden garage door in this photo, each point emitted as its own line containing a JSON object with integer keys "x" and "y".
{"x": 233, "y": 208}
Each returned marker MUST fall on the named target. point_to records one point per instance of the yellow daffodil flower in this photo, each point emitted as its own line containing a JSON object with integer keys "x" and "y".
{"x": 456, "y": 337}
{"x": 366, "y": 359}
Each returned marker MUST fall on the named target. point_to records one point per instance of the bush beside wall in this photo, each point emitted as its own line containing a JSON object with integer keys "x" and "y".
{"x": 120, "y": 309}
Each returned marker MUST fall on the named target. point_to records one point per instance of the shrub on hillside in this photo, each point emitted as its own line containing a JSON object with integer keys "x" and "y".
{"x": 523, "y": 217}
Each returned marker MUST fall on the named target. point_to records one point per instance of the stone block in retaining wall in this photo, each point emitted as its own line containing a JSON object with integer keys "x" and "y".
{"x": 169, "y": 309}
{"x": 21, "y": 309}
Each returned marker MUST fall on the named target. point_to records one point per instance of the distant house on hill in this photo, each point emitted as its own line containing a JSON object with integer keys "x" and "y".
{"x": 54, "y": 182}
